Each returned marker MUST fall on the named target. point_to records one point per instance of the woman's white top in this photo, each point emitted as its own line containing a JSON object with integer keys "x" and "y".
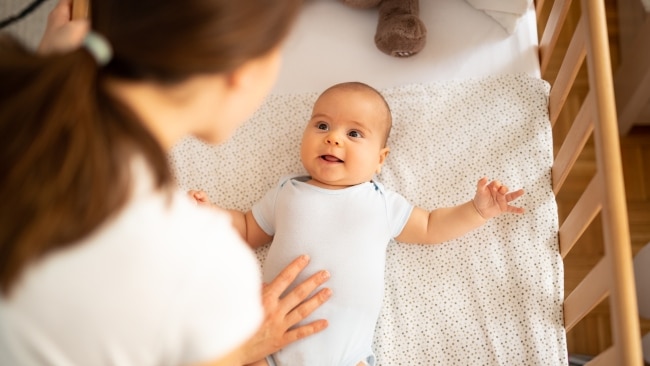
{"x": 164, "y": 282}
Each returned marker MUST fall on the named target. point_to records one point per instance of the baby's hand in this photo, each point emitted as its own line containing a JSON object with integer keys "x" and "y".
{"x": 493, "y": 199}
{"x": 200, "y": 197}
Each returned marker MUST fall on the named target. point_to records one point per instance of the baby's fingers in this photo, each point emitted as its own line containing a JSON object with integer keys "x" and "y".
{"x": 501, "y": 199}
{"x": 514, "y": 195}
{"x": 515, "y": 209}
{"x": 481, "y": 184}
{"x": 482, "y": 187}
{"x": 494, "y": 186}
{"x": 199, "y": 196}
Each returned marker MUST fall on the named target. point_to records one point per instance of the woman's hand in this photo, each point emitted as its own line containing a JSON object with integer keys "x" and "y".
{"x": 282, "y": 314}
{"x": 62, "y": 34}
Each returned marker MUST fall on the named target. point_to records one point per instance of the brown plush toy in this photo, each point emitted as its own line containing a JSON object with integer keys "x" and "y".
{"x": 400, "y": 32}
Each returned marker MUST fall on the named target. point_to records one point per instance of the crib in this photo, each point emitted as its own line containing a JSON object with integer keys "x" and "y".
{"x": 495, "y": 296}
{"x": 598, "y": 116}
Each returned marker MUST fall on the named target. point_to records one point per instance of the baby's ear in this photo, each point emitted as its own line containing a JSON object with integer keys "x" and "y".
{"x": 383, "y": 154}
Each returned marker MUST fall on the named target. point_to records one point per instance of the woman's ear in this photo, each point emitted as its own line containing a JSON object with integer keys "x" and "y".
{"x": 259, "y": 72}
{"x": 245, "y": 87}
{"x": 237, "y": 77}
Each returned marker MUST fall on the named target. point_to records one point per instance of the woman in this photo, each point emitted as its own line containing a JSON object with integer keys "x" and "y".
{"x": 101, "y": 261}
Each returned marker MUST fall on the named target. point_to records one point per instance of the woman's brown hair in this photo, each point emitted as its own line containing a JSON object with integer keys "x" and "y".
{"x": 66, "y": 144}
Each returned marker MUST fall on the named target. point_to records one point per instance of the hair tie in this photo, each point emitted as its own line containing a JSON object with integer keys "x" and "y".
{"x": 98, "y": 46}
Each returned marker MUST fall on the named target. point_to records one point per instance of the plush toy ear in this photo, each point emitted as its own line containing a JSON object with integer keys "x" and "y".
{"x": 400, "y": 32}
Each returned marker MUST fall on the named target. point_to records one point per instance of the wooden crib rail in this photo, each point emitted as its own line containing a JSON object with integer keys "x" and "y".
{"x": 613, "y": 275}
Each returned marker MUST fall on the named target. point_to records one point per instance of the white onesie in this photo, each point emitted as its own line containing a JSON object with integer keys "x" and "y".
{"x": 346, "y": 232}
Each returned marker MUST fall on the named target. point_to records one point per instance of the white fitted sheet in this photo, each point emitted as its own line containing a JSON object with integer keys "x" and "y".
{"x": 492, "y": 297}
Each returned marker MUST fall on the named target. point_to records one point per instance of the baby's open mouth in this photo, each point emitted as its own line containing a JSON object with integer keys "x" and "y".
{"x": 331, "y": 158}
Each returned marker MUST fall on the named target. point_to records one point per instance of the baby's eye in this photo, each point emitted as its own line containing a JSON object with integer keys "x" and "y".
{"x": 321, "y": 126}
{"x": 354, "y": 133}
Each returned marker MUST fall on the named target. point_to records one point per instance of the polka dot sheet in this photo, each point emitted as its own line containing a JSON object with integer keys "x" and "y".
{"x": 492, "y": 297}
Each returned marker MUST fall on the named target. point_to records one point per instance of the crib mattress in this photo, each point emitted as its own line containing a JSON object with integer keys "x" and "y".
{"x": 492, "y": 297}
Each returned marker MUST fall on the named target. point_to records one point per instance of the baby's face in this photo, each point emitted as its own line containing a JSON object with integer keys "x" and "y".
{"x": 343, "y": 143}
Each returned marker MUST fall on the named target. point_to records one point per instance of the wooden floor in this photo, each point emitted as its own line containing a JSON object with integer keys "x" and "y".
{"x": 593, "y": 334}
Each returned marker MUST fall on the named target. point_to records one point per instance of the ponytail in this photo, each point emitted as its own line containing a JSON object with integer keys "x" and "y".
{"x": 65, "y": 151}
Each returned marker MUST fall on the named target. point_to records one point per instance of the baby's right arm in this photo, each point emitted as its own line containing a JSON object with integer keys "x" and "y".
{"x": 248, "y": 228}
{"x": 244, "y": 222}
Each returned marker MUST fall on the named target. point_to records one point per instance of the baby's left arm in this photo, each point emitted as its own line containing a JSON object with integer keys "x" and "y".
{"x": 443, "y": 224}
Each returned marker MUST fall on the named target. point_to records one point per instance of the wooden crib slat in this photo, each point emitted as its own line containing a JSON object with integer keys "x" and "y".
{"x": 616, "y": 235}
{"x": 568, "y": 71}
{"x": 587, "y": 295}
{"x": 606, "y": 358}
{"x": 539, "y": 5}
{"x": 552, "y": 32}
{"x": 573, "y": 143}
{"x": 582, "y": 214}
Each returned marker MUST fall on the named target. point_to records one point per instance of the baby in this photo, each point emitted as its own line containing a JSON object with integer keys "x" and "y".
{"x": 343, "y": 219}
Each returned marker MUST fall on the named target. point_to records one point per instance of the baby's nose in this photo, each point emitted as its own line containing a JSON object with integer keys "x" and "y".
{"x": 333, "y": 139}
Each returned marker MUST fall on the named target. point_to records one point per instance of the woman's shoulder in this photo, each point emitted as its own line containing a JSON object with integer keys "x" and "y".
{"x": 161, "y": 260}
{"x": 176, "y": 220}
{"x": 170, "y": 216}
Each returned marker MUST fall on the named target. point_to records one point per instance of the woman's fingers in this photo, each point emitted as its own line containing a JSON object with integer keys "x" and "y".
{"x": 286, "y": 277}
{"x": 302, "y": 307}
{"x": 296, "y": 305}
{"x": 305, "y": 330}
{"x": 294, "y": 302}
{"x": 61, "y": 33}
